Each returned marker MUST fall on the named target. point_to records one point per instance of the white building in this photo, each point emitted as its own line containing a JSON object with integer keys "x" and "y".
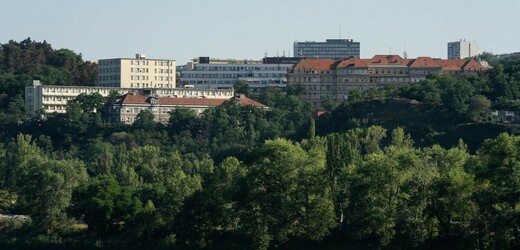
{"x": 137, "y": 72}
{"x": 53, "y": 99}
{"x": 215, "y": 74}
{"x": 463, "y": 49}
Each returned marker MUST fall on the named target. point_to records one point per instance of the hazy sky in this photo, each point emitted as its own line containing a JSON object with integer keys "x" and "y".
{"x": 246, "y": 29}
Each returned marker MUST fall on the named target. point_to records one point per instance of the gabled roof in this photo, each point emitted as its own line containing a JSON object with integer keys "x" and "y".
{"x": 387, "y": 60}
{"x": 423, "y": 62}
{"x": 472, "y": 64}
{"x": 137, "y": 99}
{"x": 451, "y": 64}
{"x": 315, "y": 64}
{"x": 352, "y": 63}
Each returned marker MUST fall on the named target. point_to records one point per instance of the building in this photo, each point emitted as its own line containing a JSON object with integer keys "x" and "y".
{"x": 334, "y": 49}
{"x": 215, "y": 74}
{"x": 138, "y": 72}
{"x": 126, "y": 108}
{"x": 326, "y": 79}
{"x": 53, "y": 99}
{"x": 463, "y": 49}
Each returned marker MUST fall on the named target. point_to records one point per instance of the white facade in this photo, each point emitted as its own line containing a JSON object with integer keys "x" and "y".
{"x": 53, "y": 99}
{"x": 137, "y": 72}
{"x": 463, "y": 49}
{"x": 224, "y": 74}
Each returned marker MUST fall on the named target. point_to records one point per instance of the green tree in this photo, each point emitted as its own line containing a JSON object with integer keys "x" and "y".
{"x": 104, "y": 205}
{"x": 498, "y": 169}
{"x": 144, "y": 120}
{"x": 374, "y": 192}
{"x": 241, "y": 87}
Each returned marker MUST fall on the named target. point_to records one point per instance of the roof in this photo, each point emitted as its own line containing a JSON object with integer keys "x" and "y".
{"x": 352, "y": 63}
{"x": 131, "y": 98}
{"x": 387, "y": 59}
{"x": 315, "y": 64}
{"x": 423, "y": 62}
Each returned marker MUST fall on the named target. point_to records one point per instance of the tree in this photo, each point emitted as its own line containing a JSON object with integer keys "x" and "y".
{"x": 295, "y": 89}
{"x": 498, "y": 168}
{"x": 104, "y": 205}
{"x": 241, "y": 87}
{"x": 479, "y": 108}
{"x": 279, "y": 201}
{"x": 183, "y": 119}
{"x": 373, "y": 203}
{"x": 144, "y": 120}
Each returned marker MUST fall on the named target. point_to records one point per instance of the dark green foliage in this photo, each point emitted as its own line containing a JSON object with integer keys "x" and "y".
{"x": 239, "y": 177}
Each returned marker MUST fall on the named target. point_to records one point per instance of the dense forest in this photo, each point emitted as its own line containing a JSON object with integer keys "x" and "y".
{"x": 386, "y": 169}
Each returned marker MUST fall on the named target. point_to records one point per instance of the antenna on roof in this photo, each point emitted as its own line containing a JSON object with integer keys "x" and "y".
{"x": 339, "y": 32}
{"x": 265, "y": 53}
{"x": 390, "y": 50}
{"x": 405, "y": 54}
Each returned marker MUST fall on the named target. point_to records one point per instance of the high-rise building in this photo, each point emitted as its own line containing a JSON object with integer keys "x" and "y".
{"x": 138, "y": 72}
{"x": 462, "y": 49}
{"x": 330, "y": 49}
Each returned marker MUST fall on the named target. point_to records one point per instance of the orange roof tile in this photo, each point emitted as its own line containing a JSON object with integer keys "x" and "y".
{"x": 315, "y": 64}
{"x": 352, "y": 63}
{"x": 387, "y": 59}
{"x": 423, "y": 62}
{"x": 139, "y": 99}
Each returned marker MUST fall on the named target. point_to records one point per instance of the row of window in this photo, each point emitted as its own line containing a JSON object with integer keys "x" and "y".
{"x": 240, "y": 68}
{"x": 147, "y": 63}
{"x": 145, "y": 70}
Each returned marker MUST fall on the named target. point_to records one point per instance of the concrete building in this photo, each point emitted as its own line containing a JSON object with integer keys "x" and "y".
{"x": 463, "y": 49}
{"x": 325, "y": 79}
{"x": 138, "y": 72}
{"x": 215, "y": 74}
{"x": 53, "y": 99}
{"x": 126, "y": 108}
{"x": 330, "y": 49}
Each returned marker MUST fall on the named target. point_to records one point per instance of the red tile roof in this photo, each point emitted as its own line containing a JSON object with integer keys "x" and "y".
{"x": 423, "y": 62}
{"x": 387, "y": 59}
{"x": 352, "y": 63}
{"x": 315, "y": 64}
{"x": 130, "y": 98}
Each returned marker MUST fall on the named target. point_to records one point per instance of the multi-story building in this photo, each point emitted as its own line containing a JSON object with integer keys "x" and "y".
{"x": 53, "y": 99}
{"x": 463, "y": 49}
{"x": 330, "y": 49}
{"x": 214, "y": 74}
{"x": 138, "y": 72}
{"x": 126, "y": 108}
{"x": 333, "y": 79}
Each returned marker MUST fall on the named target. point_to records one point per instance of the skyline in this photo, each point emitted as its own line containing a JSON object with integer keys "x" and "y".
{"x": 247, "y": 30}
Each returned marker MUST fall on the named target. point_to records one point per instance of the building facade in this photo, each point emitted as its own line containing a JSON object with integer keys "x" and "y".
{"x": 138, "y": 72}
{"x": 326, "y": 79}
{"x": 215, "y": 74}
{"x": 53, "y": 99}
{"x": 334, "y": 49}
{"x": 463, "y": 49}
{"x": 126, "y": 108}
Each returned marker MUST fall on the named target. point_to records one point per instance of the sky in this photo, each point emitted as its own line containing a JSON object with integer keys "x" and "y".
{"x": 249, "y": 29}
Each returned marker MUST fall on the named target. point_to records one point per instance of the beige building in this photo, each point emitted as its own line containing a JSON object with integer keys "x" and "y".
{"x": 53, "y": 99}
{"x": 126, "y": 108}
{"x": 329, "y": 79}
{"x": 138, "y": 72}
